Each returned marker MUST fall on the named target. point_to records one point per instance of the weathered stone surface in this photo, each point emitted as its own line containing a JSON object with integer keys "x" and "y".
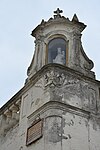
{"x": 66, "y": 102}
{"x": 65, "y": 97}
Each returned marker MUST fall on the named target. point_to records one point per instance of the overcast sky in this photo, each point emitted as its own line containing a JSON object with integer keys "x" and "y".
{"x": 19, "y": 17}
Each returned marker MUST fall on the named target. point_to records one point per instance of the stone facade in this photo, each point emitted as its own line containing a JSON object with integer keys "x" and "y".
{"x": 59, "y": 105}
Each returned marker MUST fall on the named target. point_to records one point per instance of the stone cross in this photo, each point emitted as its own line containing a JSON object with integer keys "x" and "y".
{"x": 58, "y": 11}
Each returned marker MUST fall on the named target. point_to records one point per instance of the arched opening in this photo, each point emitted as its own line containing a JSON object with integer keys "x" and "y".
{"x": 57, "y": 51}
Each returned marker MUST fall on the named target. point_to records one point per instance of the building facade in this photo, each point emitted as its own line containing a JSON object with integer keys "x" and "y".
{"x": 59, "y": 105}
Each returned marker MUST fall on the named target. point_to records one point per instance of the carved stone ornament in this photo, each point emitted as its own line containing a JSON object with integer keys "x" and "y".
{"x": 53, "y": 78}
{"x": 85, "y": 93}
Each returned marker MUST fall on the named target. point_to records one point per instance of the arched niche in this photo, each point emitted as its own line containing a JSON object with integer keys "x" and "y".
{"x": 57, "y": 51}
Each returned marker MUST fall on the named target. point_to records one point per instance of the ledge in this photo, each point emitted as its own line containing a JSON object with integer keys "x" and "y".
{"x": 60, "y": 106}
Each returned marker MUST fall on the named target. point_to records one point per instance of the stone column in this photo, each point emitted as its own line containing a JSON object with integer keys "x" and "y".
{"x": 34, "y": 69}
{"x": 76, "y": 48}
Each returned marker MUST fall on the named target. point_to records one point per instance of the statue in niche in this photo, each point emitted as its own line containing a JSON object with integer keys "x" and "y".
{"x": 60, "y": 57}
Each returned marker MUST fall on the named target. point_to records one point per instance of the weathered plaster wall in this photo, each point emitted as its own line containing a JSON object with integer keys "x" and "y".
{"x": 11, "y": 140}
{"x": 69, "y": 106}
{"x": 66, "y": 127}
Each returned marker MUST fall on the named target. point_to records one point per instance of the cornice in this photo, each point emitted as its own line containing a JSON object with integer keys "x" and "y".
{"x": 58, "y": 20}
{"x": 58, "y": 106}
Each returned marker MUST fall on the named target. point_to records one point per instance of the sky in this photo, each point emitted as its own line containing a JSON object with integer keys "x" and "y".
{"x": 19, "y": 17}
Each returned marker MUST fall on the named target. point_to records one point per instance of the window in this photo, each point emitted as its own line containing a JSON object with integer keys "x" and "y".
{"x": 57, "y": 51}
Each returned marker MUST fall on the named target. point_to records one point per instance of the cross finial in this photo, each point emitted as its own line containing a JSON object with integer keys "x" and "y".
{"x": 58, "y": 11}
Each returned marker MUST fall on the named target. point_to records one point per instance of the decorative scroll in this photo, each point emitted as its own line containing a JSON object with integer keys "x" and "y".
{"x": 34, "y": 132}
